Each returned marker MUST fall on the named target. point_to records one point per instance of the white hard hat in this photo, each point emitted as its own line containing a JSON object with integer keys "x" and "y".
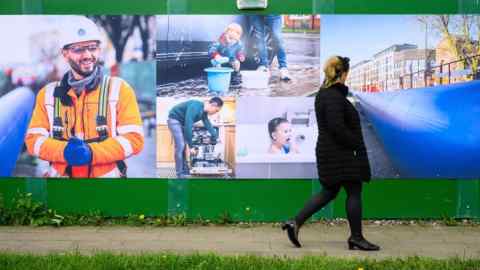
{"x": 76, "y": 29}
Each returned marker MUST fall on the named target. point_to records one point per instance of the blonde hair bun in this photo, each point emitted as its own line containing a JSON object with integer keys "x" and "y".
{"x": 333, "y": 70}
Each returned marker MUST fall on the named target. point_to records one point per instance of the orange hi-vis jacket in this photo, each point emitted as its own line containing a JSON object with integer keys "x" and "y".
{"x": 124, "y": 125}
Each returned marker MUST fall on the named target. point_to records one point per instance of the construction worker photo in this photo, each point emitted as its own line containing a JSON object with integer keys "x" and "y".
{"x": 87, "y": 124}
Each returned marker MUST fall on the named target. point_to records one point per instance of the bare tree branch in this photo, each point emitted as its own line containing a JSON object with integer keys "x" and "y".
{"x": 143, "y": 26}
{"x": 119, "y": 30}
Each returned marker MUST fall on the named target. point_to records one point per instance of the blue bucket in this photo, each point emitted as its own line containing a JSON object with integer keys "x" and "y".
{"x": 219, "y": 78}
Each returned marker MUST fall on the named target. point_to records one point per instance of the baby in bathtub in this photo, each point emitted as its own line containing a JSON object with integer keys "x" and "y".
{"x": 281, "y": 135}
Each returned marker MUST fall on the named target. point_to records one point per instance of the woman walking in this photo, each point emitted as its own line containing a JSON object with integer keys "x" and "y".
{"x": 341, "y": 155}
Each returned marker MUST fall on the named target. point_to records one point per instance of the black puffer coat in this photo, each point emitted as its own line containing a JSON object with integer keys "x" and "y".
{"x": 341, "y": 153}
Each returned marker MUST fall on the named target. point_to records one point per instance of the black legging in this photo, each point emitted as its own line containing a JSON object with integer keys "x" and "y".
{"x": 353, "y": 205}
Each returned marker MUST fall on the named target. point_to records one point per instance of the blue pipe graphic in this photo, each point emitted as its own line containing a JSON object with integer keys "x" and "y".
{"x": 429, "y": 132}
{"x": 15, "y": 111}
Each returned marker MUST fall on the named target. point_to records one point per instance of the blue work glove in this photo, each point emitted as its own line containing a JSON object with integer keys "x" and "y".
{"x": 77, "y": 152}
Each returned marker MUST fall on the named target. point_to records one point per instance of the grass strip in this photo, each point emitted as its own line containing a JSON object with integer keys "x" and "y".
{"x": 11, "y": 261}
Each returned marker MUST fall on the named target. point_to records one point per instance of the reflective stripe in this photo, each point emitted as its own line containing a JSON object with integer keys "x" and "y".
{"x": 113, "y": 118}
{"x": 49, "y": 103}
{"x": 56, "y": 108}
{"x": 126, "y": 145}
{"x": 41, "y": 131}
{"x": 80, "y": 136}
{"x": 115, "y": 173}
{"x": 112, "y": 101}
{"x": 103, "y": 98}
{"x": 52, "y": 172}
{"x": 130, "y": 128}
{"x": 37, "y": 146}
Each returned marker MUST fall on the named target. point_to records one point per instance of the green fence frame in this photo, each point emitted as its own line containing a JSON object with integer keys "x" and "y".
{"x": 229, "y": 6}
{"x": 244, "y": 200}
{"x": 247, "y": 200}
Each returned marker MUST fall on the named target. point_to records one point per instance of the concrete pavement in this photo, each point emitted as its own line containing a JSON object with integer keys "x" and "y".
{"x": 263, "y": 240}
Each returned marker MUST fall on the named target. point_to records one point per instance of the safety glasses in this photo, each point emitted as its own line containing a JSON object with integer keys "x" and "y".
{"x": 81, "y": 49}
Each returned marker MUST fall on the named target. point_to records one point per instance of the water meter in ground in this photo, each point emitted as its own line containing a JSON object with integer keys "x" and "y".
{"x": 252, "y": 4}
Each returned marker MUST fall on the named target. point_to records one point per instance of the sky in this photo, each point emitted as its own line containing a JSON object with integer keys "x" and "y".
{"x": 355, "y": 36}
{"x": 359, "y": 37}
{"x": 16, "y": 31}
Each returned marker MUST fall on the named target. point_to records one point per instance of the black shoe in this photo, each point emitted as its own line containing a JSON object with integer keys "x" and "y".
{"x": 361, "y": 244}
{"x": 292, "y": 232}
